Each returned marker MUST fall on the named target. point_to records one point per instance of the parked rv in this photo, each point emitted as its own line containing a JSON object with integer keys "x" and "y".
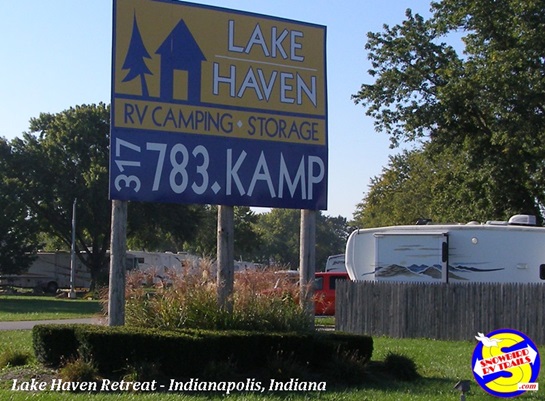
{"x": 50, "y": 272}
{"x": 242, "y": 265}
{"x": 496, "y": 251}
{"x": 161, "y": 268}
{"x": 335, "y": 263}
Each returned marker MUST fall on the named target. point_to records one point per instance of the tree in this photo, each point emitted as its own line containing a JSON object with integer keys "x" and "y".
{"x": 163, "y": 226}
{"x": 400, "y": 195}
{"x": 280, "y": 230}
{"x": 65, "y": 157}
{"x": 331, "y": 236}
{"x": 420, "y": 184}
{"x": 18, "y": 242}
{"x": 486, "y": 103}
{"x": 247, "y": 239}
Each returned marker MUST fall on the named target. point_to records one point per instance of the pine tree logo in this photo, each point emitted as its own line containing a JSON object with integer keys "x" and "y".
{"x": 135, "y": 59}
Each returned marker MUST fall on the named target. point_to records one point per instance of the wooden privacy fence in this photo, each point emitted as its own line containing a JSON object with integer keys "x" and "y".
{"x": 439, "y": 311}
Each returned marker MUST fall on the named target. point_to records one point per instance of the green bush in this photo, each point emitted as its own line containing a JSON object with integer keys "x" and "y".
{"x": 79, "y": 370}
{"x": 54, "y": 345}
{"x": 11, "y": 358}
{"x": 400, "y": 367}
{"x": 196, "y": 353}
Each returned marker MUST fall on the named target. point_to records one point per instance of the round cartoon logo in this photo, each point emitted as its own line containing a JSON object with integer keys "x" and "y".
{"x": 505, "y": 363}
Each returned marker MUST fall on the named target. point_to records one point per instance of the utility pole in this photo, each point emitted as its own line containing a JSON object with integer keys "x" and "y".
{"x": 118, "y": 249}
{"x": 72, "y": 293}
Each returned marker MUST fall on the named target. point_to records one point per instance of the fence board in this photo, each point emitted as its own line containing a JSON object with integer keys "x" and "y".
{"x": 440, "y": 311}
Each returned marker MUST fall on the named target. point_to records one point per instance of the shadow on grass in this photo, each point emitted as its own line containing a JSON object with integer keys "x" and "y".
{"x": 380, "y": 378}
{"x": 423, "y": 384}
{"x": 27, "y": 305}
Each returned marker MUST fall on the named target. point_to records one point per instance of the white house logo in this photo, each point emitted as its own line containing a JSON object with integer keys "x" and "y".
{"x": 506, "y": 363}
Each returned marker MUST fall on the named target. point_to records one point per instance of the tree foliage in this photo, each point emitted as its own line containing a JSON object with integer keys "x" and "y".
{"x": 18, "y": 230}
{"x": 400, "y": 195}
{"x": 484, "y": 104}
{"x": 280, "y": 230}
{"x": 247, "y": 240}
{"x": 65, "y": 157}
{"x": 163, "y": 226}
{"x": 420, "y": 184}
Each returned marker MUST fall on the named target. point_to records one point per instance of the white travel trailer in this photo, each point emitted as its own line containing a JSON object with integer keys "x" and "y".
{"x": 335, "y": 263}
{"x": 161, "y": 264}
{"x": 497, "y": 251}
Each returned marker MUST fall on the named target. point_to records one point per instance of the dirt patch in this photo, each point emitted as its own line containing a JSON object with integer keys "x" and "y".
{"x": 25, "y": 373}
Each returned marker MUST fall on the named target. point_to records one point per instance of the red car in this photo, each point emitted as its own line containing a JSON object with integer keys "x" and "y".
{"x": 324, "y": 291}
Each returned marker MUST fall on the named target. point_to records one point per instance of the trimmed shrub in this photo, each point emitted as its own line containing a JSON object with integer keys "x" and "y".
{"x": 194, "y": 353}
{"x": 54, "y": 344}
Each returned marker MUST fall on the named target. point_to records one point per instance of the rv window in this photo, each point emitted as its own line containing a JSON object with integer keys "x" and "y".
{"x": 130, "y": 263}
{"x": 542, "y": 272}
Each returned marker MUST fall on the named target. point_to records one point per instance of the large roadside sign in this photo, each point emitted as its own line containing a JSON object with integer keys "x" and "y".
{"x": 216, "y": 106}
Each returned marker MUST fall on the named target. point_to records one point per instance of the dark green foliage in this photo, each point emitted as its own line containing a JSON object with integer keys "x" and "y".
{"x": 193, "y": 353}
{"x": 279, "y": 230}
{"x": 78, "y": 370}
{"x": 54, "y": 345}
{"x": 163, "y": 225}
{"x": 400, "y": 367}
{"x": 476, "y": 103}
{"x": 11, "y": 358}
{"x": 18, "y": 242}
{"x": 64, "y": 156}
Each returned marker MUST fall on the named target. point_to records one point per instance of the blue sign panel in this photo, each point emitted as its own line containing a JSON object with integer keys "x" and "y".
{"x": 217, "y": 106}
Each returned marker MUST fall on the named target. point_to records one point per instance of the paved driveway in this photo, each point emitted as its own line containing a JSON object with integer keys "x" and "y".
{"x": 27, "y": 325}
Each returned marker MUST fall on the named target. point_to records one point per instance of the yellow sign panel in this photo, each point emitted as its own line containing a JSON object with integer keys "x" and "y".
{"x": 175, "y": 52}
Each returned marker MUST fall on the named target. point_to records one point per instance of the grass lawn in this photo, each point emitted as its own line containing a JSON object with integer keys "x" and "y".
{"x": 440, "y": 363}
{"x": 25, "y": 307}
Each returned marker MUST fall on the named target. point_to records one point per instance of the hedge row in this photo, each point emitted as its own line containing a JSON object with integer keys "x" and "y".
{"x": 190, "y": 353}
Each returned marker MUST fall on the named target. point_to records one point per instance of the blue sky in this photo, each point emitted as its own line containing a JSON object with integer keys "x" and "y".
{"x": 57, "y": 54}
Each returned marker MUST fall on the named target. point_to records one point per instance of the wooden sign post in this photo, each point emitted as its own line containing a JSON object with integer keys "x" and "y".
{"x": 118, "y": 248}
{"x": 225, "y": 253}
{"x": 307, "y": 261}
